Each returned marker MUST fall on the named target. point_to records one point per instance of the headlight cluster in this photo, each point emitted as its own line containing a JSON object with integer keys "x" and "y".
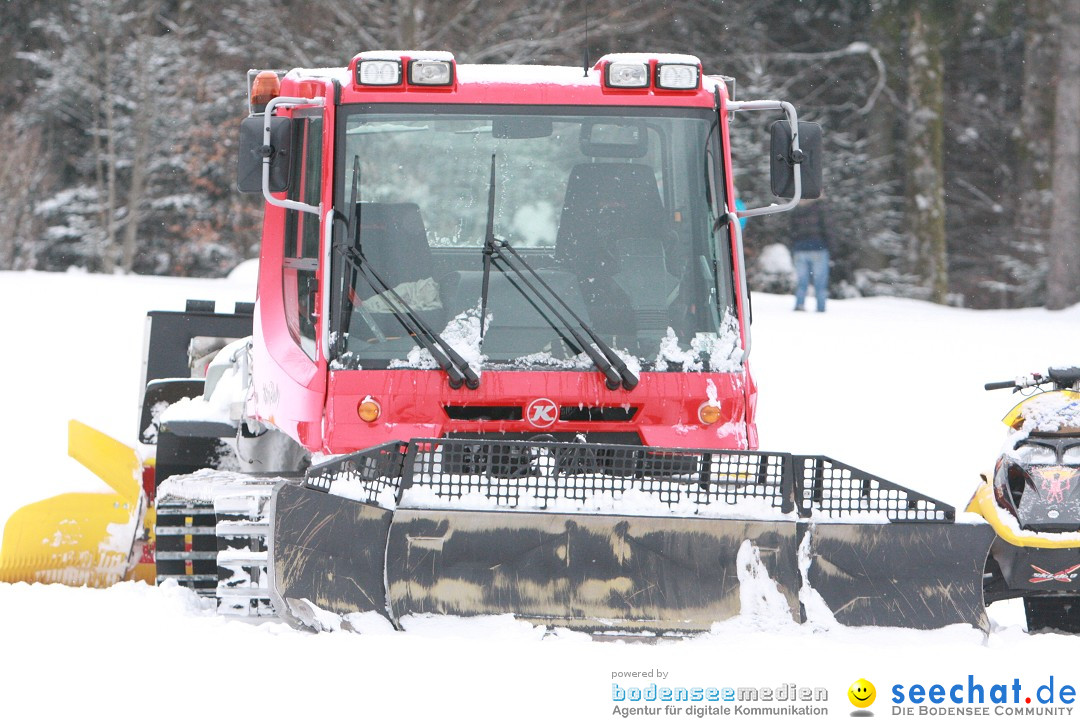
{"x": 668, "y": 76}
{"x": 387, "y": 72}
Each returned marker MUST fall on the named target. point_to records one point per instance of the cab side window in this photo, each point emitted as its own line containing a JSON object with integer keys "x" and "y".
{"x": 302, "y": 236}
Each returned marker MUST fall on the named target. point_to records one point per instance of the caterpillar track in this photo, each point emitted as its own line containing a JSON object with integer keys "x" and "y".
{"x": 212, "y": 536}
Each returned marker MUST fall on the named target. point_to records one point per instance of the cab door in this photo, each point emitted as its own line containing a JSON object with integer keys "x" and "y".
{"x": 289, "y": 367}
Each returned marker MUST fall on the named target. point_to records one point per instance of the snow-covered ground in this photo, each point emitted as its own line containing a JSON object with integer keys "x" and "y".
{"x": 891, "y": 386}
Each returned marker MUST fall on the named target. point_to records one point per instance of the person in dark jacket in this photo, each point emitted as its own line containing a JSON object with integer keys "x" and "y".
{"x": 810, "y": 252}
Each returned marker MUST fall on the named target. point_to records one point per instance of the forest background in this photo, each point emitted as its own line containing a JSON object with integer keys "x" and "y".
{"x": 952, "y": 127}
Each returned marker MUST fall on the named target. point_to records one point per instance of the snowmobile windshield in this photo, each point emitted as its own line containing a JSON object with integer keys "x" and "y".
{"x": 612, "y": 207}
{"x": 1071, "y": 456}
{"x": 1036, "y": 454}
{"x": 1060, "y": 451}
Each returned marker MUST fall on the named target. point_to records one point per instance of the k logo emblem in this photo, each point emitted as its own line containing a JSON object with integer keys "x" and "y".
{"x": 542, "y": 413}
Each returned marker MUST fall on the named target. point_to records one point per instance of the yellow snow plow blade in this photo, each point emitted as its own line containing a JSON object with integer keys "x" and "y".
{"x": 79, "y": 538}
{"x": 111, "y": 460}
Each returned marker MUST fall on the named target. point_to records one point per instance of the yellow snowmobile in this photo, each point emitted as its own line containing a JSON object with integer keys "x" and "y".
{"x": 1033, "y": 503}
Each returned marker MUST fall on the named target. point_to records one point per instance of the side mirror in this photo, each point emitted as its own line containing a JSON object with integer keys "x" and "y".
{"x": 782, "y": 164}
{"x": 250, "y": 160}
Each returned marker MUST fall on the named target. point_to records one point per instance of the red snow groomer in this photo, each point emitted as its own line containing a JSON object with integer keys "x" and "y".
{"x": 499, "y": 364}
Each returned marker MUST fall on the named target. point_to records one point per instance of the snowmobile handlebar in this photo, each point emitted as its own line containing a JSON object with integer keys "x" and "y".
{"x": 1002, "y": 385}
{"x": 1061, "y": 377}
{"x": 1019, "y": 383}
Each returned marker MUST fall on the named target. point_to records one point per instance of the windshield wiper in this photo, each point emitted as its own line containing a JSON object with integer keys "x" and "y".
{"x": 489, "y": 250}
{"x": 615, "y": 371}
{"x": 457, "y": 369}
{"x": 602, "y": 355}
{"x": 490, "y": 242}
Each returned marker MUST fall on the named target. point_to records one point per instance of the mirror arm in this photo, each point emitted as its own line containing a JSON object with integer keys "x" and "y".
{"x": 267, "y": 152}
{"x": 796, "y": 152}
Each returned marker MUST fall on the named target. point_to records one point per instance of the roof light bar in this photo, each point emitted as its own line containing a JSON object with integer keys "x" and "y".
{"x": 627, "y": 75}
{"x": 676, "y": 76}
{"x": 378, "y": 72}
{"x": 431, "y": 72}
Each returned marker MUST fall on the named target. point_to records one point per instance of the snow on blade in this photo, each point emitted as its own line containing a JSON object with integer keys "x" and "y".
{"x": 763, "y": 606}
{"x": 355, "y": 489}
{"x": 634, "y": 501}
{"x": 818, "y": 613}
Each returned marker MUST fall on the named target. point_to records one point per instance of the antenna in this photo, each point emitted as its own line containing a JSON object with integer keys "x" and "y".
{"x": 585, "y": 52}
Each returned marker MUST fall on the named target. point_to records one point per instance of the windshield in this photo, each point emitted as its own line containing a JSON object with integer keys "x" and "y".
{"x": 1034, "y": 454}
{"x": 1065, "y": 451}
{"x": 612, "y": 210}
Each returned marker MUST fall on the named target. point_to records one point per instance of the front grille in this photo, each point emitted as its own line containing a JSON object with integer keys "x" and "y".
{"x": 573, "y": 413}
{"x": 568, "y": 413}
{"x": 480, "y": 413}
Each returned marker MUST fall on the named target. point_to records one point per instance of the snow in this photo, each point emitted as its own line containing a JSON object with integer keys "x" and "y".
{"x": 1050, "y": 412}
{"x": 355, "y": 489}
{"x": 763, "y": 606}
{"x": 525, "y": 75}
{"x": 646, "y": 57}
{"x": 635, "y": 500}
{"x": 462, "y": 333}
{"x": 776, "y": 259}
{"x": 817, "y": 610}
{"x": 511, "y": 74}
{"x": 206, "y": 485}
{"x": 440, "y": 55}
{"x": 890, "y": 386}
{"x": 708, "y": 351}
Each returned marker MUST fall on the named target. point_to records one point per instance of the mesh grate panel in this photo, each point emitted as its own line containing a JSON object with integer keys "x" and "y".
{"x": 546, "y": 474}
{"x": 549, "y": 472}
{"x": 373, "y": 471}
{"x": 824, "y": 485}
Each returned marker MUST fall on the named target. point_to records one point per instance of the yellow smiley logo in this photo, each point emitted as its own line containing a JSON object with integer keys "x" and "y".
{"x": 862, "y": 693}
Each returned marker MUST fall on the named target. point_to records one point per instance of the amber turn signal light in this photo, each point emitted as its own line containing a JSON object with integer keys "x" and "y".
{"x": 368, "y": 410}
{"x": 709, "y": 413}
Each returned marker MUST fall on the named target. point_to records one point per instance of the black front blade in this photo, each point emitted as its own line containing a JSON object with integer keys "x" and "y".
{"x": 915, "y": 575}
{"x": 327, "y": 550}
{"x": 589, "y": 572}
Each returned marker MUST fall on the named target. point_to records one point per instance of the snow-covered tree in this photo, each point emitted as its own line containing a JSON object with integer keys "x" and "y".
{"x": 1062, "y": 288}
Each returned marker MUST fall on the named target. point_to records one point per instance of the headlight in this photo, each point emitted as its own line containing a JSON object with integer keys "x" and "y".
{"x": 1010, "y": 481}
{"x": 379, "y": 72}
{"x": 430, "y": 72}
{"x": 677, "y": 77}
{"x": 627, "y": 75}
